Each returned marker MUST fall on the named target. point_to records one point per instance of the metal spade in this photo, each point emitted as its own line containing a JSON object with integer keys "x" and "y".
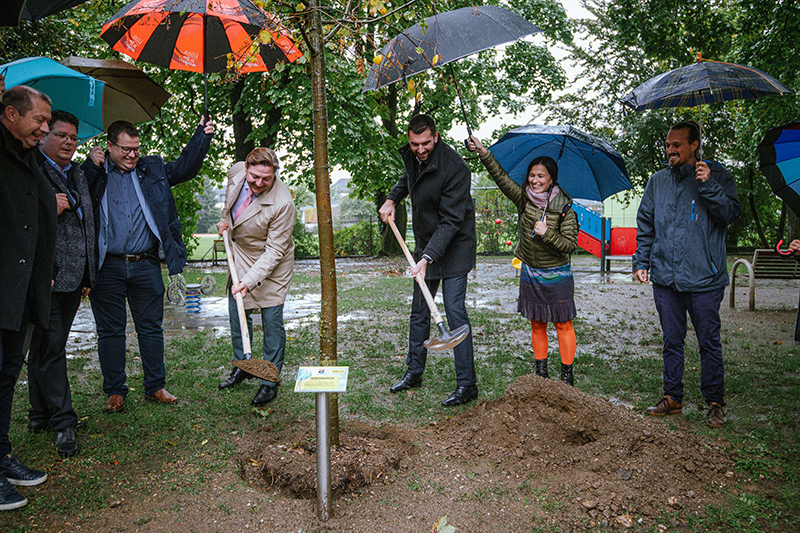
{"x": 259, "y": 368}
{"x": 446, "y": 339}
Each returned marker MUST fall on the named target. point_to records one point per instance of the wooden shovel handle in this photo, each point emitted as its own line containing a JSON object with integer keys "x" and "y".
{"x": 437, "y": 318}
{"x": 238, "y": 297}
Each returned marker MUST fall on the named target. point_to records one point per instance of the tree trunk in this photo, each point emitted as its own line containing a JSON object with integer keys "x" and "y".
{"x": 242, "y": 125}
{"x": 327, "y": 265}
{"x": 751, "y": 198}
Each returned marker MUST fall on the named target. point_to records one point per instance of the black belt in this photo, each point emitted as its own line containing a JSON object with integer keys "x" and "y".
{"x": 131, "y": 258}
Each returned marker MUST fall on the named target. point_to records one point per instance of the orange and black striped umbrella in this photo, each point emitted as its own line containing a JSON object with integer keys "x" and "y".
{"x": 200, "y": 35}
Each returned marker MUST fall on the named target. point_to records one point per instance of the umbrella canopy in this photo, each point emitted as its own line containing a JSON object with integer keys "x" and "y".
{"x": 129, "y": 94}
{"x": 446, "y": 37}
{"x": 200, "y": 35}
{"x": 588, "y": 167}
{"x": 779, "y": 157}
{"x": 71, "y": 91}
{"x": 13, "y": 11}
{"x": 704, "y": 82}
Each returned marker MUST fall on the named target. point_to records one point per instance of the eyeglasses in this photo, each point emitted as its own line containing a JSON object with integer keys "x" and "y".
{"x": 63, "y": 136}
{"x": 126, "y": 149}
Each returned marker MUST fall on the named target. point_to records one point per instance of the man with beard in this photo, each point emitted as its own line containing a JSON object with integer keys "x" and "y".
{"x": 681, "y": 227}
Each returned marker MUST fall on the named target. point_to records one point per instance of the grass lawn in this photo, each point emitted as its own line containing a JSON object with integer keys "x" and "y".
{"x": 177, "y": 449}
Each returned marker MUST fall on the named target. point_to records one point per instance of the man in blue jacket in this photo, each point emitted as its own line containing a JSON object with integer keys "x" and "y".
{"x": 681, "y": 227}
{"x": 137, "y": 225}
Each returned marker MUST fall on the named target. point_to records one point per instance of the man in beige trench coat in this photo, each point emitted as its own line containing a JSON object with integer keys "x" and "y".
{"x": 259, "y": 215}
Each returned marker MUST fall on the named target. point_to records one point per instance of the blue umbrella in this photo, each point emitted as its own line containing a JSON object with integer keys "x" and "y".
{"x": 779, "y": 157}
{"x": 588, "y": 167}
{"x": 70, "y": 90}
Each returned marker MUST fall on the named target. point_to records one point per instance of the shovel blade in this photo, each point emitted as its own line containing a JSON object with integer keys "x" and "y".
{"x": 448, "y": 340}
{"x": 259, "y": 368}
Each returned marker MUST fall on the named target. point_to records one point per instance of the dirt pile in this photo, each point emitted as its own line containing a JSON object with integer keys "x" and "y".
{"x": 602, "y": 461}
{"x": 608, "y": 457}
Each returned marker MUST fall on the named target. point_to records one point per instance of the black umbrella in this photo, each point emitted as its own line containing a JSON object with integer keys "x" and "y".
{"x": 15, "y": 10}
{"x": 443, "y": 38}
{"x": 779, "y": 158}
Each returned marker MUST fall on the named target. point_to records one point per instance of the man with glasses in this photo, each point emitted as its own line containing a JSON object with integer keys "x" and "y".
{"x": 48, "y": 385}
{"x": 137, "y": 225}
{"x": 28, "y": 219}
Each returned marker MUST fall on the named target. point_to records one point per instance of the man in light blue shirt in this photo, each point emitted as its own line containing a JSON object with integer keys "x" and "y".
{"x": 137, "y": 225}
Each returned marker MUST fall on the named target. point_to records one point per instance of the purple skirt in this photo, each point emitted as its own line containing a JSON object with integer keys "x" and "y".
{"x": 547, "y": 294}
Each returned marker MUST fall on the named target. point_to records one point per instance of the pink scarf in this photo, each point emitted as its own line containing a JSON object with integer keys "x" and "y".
{"x": 541, "y": 199}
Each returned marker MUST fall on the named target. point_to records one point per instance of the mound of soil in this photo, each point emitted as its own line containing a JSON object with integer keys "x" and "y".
{"x": 612, "y": 458}
{"x": 602, "y": 461}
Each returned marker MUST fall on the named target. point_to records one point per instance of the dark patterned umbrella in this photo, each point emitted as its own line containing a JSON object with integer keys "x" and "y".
{"x": 200, "y": 36}
{"x": 704, "y": 82}
{"x": 13, "y": 11}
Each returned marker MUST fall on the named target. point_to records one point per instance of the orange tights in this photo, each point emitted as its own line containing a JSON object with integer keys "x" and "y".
{"x": 566, "y": 340}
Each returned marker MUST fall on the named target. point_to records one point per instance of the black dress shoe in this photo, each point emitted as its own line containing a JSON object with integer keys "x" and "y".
{"x": 66, "y": 442}
{"x": 237, "y": 376}
{"x": 461, "y": 395}
{"x": 408, "y": 381}
{"x": 265, "y": 395}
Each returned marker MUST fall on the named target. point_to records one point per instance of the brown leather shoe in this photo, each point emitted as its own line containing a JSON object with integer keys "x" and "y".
{"x": 115, "y": 403}
{"x": 716, "y": 416}
{"x": 161, "y": 396}
{"x": 665, "y": 406}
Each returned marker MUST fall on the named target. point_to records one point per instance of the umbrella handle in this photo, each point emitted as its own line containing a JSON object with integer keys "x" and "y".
{"x": 781, "y": 252}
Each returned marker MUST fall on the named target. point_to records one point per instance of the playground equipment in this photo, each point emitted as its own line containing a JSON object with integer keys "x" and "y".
{"x": 181, "y": 293}
{"x": 597, "y": 237}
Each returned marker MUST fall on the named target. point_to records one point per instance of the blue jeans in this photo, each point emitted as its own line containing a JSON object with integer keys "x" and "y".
{"x": 139, "y": 283}
{"x": 454, "y": 292}
{"x": 703, "y": 309}
{"x": 274, "y": 347}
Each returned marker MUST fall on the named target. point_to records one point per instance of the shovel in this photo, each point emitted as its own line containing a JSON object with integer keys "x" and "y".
{"x": 447, "y": 339}
{"x": 259, "y": 368}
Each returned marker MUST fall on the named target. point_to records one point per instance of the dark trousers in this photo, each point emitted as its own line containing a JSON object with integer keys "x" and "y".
{"x": 454, "y": 291}
{"x": 797, "y": 327}
{"x": 48, "y": 384}
{"x": 12, "y": 344}
{"x": 703, "y": 309}
{"x": 274, "y": 346}
{"x": 139, "y": 283}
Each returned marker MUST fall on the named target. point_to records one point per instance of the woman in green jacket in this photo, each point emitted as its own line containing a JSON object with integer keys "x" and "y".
{"x": 548, "y": 234}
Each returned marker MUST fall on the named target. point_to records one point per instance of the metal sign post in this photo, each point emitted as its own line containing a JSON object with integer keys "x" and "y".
{"x": 322, "y": 380}
{"x": 323, "y": 457}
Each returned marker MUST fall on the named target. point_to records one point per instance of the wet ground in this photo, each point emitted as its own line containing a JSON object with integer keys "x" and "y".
{"x": 491, "y": 285}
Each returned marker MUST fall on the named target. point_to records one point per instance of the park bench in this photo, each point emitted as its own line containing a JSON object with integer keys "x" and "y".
{"x": 766, "y": 264}
{"x": 218, "y": 251}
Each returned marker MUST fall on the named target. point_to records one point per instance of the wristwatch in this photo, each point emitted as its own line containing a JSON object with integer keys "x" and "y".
{"x": 427, "y": 258}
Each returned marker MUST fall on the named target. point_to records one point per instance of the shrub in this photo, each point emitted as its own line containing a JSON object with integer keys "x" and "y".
{"x": 361, "y": 238}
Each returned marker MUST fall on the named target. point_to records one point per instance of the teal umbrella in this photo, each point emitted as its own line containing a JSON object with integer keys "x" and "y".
{"x": 70, "y": 90}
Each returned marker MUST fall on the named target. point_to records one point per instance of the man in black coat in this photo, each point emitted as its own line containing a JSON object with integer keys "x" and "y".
{"x": 48, "y": 384}
{"x": 443, "y": 217}
{"x": 28, "y": 219}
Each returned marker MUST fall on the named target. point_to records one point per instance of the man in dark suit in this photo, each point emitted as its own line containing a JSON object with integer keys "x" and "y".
{"x": 28, "y": 219}
{"x": 48, "y": 384}
{"x": 136, "y": 222}
{"x": 443, "y": 217}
